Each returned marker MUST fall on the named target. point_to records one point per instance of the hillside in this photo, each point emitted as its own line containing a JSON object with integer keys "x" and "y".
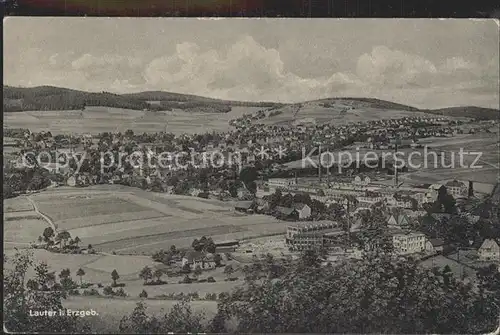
{"x": 468, "y": 111}
{"x": 42, "y": 98}
{"x": 55, "y": 98}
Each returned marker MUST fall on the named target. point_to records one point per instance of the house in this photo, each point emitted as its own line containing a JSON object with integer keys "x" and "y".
{"x": 408, "y": 243}
{"x": 243, "y": 193}
{"x": 198, "y": 258}
{"x": 398, "y": 221}
{"x": 303, "y": 210}
{"x": 286, "y": 213}
{"x": 489, "y": 250}
{"x": 262, "y": 205}
{"x": 434, "y": 246}
{"x": 243, "y": 206}
{"x": 71, "y": 181}
{"x": 456, "y": 188}
{"x": 281, "y": 182}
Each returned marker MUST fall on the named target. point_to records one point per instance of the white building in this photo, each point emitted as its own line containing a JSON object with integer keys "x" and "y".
{"x": 408, "y": 243}
{"x": 281, "y": 182}
{"x": 456, "y": 188}
{"x": 489, "y": 250}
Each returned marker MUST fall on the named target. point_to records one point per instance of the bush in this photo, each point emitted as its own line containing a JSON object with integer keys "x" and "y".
{"x": 143, "y": 294}
{"x": 108, "y": 290}
{"x": 193, "y": 295}
{"x": 120, "y": 293}
{"x": 186, "y": 280}
{"x": 118, "y": 285}
{"x": 91, "y": 292}
{"x": 156, "y": 282}
{"x": 202, "y": 280}
{"x": 87, "y": 285}
{"x": 99, "y": 285}
{"x": 74, "y": 292}
{"x": 211, "y": 280}
{"x": 211, "y": 296}
{"x": 223, "y": 295}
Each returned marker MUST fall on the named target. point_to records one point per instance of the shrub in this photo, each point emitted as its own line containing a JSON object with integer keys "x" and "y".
{"x": 118, "y": 285}
{"x": 223, "y": 295}
{"x": 211, "y": 280}
{"x": 143, "y": 294}
{"x": 186, "y": 280}
{"x": 120, "y": 293}
{"x": 99, "y": 285}
{"x": 91, "y": 292}
{"x": 74, "y": 292}
{"x": 193, "y": 295}
{"x": 108, "y": 290}
{"x": 211, "y": 296}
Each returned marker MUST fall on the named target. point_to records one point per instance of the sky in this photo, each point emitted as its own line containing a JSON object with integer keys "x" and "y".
{"x": 422, "y": 63}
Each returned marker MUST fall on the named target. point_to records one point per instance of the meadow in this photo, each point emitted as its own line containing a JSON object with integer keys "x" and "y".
{"x": 132, "y": 221}
{"x": 95, "y": 120}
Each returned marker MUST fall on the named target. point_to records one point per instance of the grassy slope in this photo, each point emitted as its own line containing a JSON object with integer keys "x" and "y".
{"x": 56, "y": 98}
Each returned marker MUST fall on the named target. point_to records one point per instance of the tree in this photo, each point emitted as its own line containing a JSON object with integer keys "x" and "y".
{"x": 115, "y": 276}
{"x": 62, "y": 237}
{"x": 173, "y": 249}
{"x": 197, "y": 270}
{"x": 375, "y": 295}
{"x": 48, "y": 234}
{"x": 217, "y": 260}
{"x": 158, "y": 274}
{"x": 23, "y": 294}
{"x": 196, "y": 245}
{"x": 146, "y": 274}
{"x": 228, "y": 270}
{"x": 65, "y": 273}
{"x": 80, "y": 273}
{"x": 143, "y": 294}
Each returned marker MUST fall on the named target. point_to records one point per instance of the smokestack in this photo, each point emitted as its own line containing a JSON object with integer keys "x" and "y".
{"x": 471, "y": 189}
{"x": 395, "y": 167}
{"x": 319, "y": 164}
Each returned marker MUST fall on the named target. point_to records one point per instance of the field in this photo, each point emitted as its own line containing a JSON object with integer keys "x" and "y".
{"x": 338, "y": 112}
{"x": 131, "y": 221}
{"x": 104, "y": 119}
{"x": 429, "y": 168}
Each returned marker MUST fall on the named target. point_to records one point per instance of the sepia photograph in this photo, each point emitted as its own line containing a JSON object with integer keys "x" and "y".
{"x": 196, "y": 175}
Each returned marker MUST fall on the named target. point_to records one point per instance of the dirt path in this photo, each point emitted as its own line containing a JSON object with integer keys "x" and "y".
{"x": 45, "y": 217}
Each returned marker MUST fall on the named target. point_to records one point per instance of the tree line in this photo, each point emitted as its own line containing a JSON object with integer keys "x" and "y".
{"x": 378, "y": 294}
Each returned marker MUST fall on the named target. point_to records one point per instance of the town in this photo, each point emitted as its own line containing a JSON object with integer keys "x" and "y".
{"x": 251, "y": 176}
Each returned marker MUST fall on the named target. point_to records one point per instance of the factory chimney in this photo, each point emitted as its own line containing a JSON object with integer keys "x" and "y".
{"x": 319, "y": 164}
{"x": 471, "y": 189}
{"x": 395, "y": 163}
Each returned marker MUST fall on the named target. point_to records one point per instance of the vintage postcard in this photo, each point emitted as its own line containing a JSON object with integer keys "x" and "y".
{"x": 251, "y": 176}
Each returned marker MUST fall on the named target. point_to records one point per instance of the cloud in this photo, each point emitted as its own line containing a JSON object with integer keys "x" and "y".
{"x": 245, "y": 70}
{"x": 384, "y": 66}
